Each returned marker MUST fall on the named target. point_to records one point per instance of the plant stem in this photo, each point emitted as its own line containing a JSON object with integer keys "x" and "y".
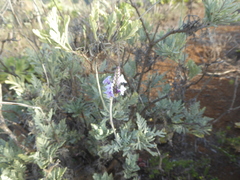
{"x": 99, "y": 89}
{"x": 111, "y": 118}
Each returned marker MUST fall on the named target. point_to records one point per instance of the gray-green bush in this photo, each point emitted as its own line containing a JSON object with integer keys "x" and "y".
{"x": 69, "y": 114}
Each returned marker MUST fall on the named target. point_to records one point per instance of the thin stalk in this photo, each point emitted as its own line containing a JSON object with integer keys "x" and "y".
{"x": 100, "y": 91}
{"x": 21, "y": 104}
{"x": 111, "y": 118}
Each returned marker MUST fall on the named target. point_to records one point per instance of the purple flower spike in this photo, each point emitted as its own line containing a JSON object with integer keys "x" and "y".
{"x": 109, "y": 87}
{"x": 114, "y": 87}
{"x": 107, "y": 80}
{"x": 109, "y": 93}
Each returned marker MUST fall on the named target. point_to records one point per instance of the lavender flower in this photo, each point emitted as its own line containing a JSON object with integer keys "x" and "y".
{"x": 107, "y": 80}
{"x": 114, "y": 87}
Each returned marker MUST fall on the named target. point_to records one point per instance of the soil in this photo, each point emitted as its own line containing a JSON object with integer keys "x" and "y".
{"x": 218, "y": 91}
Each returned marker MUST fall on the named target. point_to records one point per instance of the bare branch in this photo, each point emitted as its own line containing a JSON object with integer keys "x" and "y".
{"x": 231, "y": 106}
{"x": 20, "y": 104}
{"x": 140, "y": 17}
{"x": 235, "y": 92}
{"x": 179, "y": 30}
{"x": 14, "y": 14}
{"x": 4, "y": 41}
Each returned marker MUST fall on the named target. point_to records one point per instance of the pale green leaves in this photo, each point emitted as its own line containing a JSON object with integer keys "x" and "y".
{"x": 55, "y": 131}
{"x": 45, "y": 157}
{"x": 46, "y": 151}
{"x": 16, "y": 66}
{"x": 130, "y": 68}
{"x": 94, "y": 19}
{"x": 130, "y": 166}
{"x": 56, "y": 173}
{"x": 127, "y": 27}
{"x": 140, "y": 138}
{"x": 129, "y": 140}
{"x": 185, "y": 119}
{"x": 172, "y": 46}
{"x": 11, "y": 166}
{"x": 105, "y": 176}
{"x": 111, "y": 22}
{"x": 193, "y": 69}
{"x": 221, "y": 12}
{"x": 115, "y": 25}
{"x": 128, "y": 30}
{"x": 146, "y": 136}
{"x": 15, "y": 72}
{"x": 57, "y": 34}
{"x": 237, "y": 125}
{"x": 16, "y": 84}
{"x": 100, "y": 132}
{"x": 195, "y": 121}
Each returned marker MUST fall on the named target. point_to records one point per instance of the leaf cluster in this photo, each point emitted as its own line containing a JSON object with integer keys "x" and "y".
{"x": 221, "y": 12}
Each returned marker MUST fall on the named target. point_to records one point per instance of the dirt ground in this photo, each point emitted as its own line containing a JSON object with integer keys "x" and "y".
{"x": 218, "y": 91}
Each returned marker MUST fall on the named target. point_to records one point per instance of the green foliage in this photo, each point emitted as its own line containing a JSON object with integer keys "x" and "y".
{"x": 68, "y": 111}
{"x": 16, "y": 72}
{"x": 225, "y": 151}
{"x": 118, "y": 23}
{"x": 193, "y": 69}
{"x": 57, "y": 33}
{"x": 141, "y": 138}
{"x": 130, "y": 166}
{"x": 109, "y": 27}
{"x": 183, "y": 119}
{"x": 226, "y": 145}
{"x": 130, "y": 69}
{"x": 186, "y": 166}
{"x": 105, "y": 176}
{"x": 145, "y": 136}
{"x": 16, "y": 83}
{"x": 172, "y": 46}
{"x": 235, "y": 143}
{"x": 13, "y": 117}
{"x": 11, "y": 166}
{"x": 221, "y": 12}
{"x": 54, "y": 131}
{"x": 19, "y": 67}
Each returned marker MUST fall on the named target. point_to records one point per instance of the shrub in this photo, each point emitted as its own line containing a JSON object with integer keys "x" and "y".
{"x": 95, "y": 101}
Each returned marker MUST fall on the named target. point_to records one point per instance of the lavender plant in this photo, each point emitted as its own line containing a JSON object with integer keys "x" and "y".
{"x": 93, "y": 102}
